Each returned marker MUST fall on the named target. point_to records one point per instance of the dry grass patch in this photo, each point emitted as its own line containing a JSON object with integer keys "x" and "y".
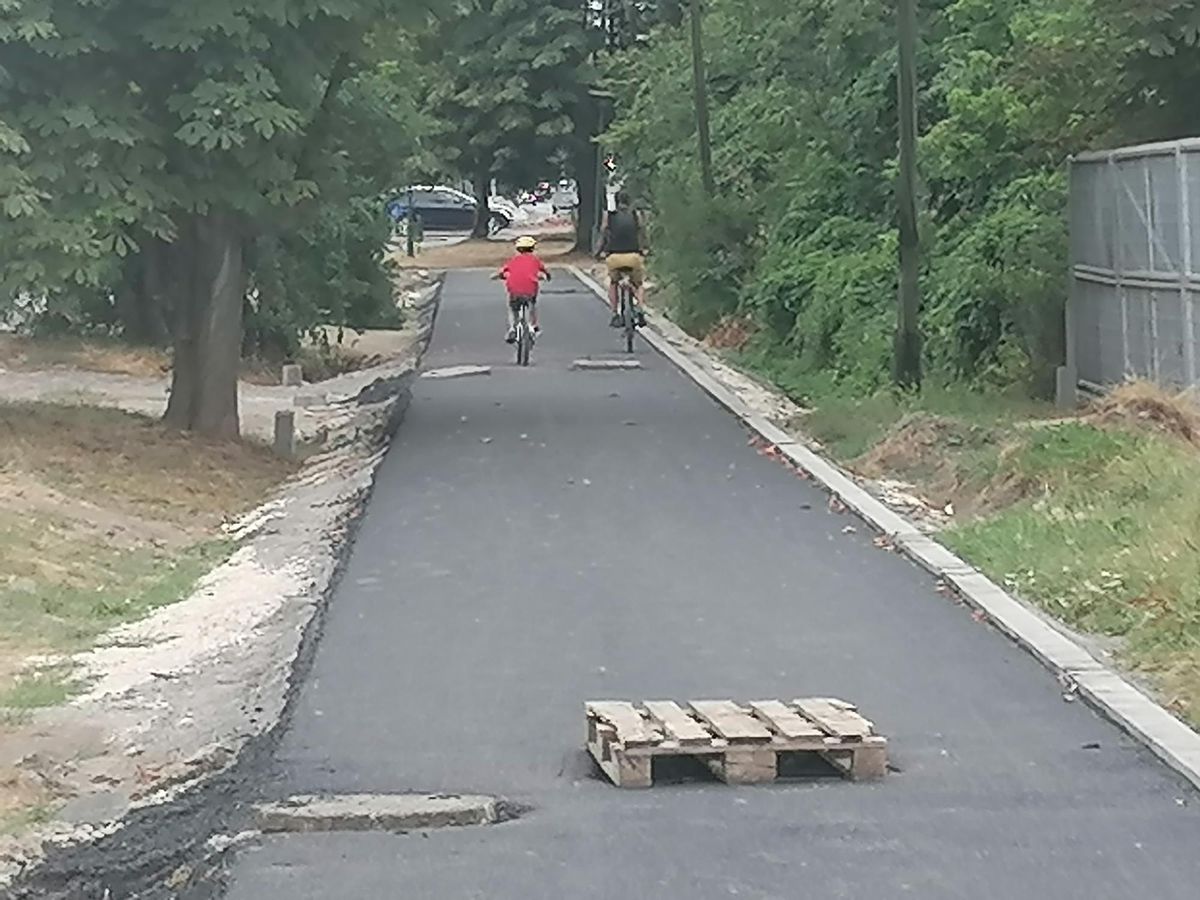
{"x": 1144, "y": 405}
{"x": 134, "y": 464}
{"x": 105, "y": 516}
{"x": 109, "y": 356}
{"x": 732, "y": 333}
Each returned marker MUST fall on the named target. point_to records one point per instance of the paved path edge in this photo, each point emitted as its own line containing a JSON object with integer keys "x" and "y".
{"x": 1172, "y": 741}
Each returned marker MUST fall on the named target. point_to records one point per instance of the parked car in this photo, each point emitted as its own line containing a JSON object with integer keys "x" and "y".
{"x": 443, "y": 208}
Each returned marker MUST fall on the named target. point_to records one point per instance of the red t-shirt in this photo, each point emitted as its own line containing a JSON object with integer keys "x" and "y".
{"x": 521, "y": 275}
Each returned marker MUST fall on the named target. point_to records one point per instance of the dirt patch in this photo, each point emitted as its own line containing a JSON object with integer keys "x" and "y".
{"x": 134, "y": 464}
{"x": 482, "y": 253}
{"x": 916, "y": 445}
{"x": 89, "y": 354}
{"x": 26, "y": 497}
{"x": 731, "y": 333}
{"x": 1145, "y": 405}
{"x": 943, "y": 469}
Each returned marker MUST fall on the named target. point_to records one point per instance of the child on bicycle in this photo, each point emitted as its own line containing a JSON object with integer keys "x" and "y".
{"x": 522, "y": 275}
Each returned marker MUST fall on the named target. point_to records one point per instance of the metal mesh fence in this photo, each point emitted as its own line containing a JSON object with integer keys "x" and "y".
{"x": 1135, "y": 243}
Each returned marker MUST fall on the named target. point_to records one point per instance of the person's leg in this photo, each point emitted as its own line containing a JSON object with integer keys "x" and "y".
{"x": 614, "y": 302}
{"x": 639, "y": 289}
{"x": 533, "y": 314}
{"x": 512, "y": 322}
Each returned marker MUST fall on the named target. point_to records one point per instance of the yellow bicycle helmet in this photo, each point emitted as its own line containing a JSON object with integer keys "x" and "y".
{"x": 526, "y": 243}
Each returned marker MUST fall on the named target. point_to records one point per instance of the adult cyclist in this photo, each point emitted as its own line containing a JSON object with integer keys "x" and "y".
{"x": 624, "y": 243}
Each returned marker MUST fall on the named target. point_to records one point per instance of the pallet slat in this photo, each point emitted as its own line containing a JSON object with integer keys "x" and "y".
{"x": 630, "y": 726}
{"x": 786, "y": 722}
{"x": 835, "y": 718}
{"x": 730, "y": 721}
{"x": 677, "y": 724}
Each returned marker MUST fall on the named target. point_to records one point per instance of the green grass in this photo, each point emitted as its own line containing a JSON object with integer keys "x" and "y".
{"x": 849, "y": 422}
{"x": 104, "y": 518}
{"x": 1110, "y": 545}
{"x": 64, "y": 589}
{"x": 38, "y": 690}
{"x": 1097, "y": 524}
{"x": 17, "y": 821}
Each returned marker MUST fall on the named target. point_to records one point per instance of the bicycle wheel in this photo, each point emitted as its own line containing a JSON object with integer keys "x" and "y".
{"x": 524, "y": 338}
{"x": 627, "y": 312}
{"x": 527, "y": 343}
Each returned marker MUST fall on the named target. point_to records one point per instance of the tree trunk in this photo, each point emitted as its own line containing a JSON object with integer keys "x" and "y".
{"x": 700, "y": 86}
{"x": 589, "y": 122}
{"x": 483, "y": 213}
{"x": 209, "y": 274}
{"x": 587, "y": 162}
{"x": 906, "y": 365}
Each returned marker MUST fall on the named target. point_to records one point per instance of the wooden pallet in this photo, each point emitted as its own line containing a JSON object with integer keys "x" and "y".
{"x": 741, "y": 745}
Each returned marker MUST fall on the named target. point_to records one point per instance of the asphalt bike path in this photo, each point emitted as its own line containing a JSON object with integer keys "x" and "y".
{"x": 541, "y": 537}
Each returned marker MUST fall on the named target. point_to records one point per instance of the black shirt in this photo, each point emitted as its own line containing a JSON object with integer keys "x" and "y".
{"x": 623, "y": 231}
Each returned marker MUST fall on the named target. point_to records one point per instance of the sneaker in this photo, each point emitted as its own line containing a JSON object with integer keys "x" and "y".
{"x": 640, "y": 319}
{"x": 511, "y": 337}
{"x": 537, "y": 330}
{"x": 617, "y": 321}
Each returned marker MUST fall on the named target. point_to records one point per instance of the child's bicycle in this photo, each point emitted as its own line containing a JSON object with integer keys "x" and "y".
{"x": 524, "y": 331}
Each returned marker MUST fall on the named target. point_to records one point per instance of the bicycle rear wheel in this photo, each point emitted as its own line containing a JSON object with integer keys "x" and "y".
{"x": 524, "y": 340}
{"x": 627, "y": 312}
{"x": 527, "y": 344}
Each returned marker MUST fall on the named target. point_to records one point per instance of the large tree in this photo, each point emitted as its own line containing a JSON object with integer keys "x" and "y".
{"x": 177, "y": 131}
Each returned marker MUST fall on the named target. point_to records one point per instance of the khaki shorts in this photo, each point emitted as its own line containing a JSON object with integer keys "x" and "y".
{"x": 631, "y": 261}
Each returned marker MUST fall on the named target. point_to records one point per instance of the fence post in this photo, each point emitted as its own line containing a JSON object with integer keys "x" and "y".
{"x": 1066, "y": 376}
{"x": 1116, "y": 188}
{"x": 1186, "y": 299}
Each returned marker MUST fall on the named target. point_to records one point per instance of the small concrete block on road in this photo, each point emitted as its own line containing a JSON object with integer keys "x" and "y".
{"x": 601, "y": 365}
{"x": 375, "y": 812}
{"x": 457, "y": 372}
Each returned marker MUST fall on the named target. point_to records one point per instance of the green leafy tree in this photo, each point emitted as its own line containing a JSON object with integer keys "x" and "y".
{"x": 804, "y": 126}
{"x": 180, "y": 132}
{"x": 505, "y": 80}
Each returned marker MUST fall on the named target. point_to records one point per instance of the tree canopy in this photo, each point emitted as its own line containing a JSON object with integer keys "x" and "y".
{"x": 182, "y": 134}
{"x": 167, "y": 169}
{"x": 801, "y": 242}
